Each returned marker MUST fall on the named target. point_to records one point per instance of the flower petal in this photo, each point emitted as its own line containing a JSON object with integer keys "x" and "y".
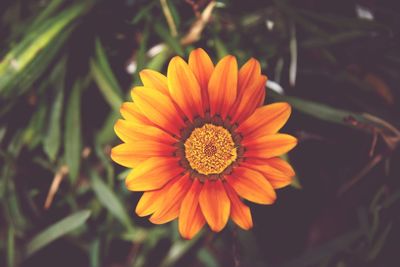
{"x": 249, "y": 101}
{"x": 131, "y": 112}
{"x": 131, "y": 132}
{"x": 268, "y": 146}
{"x": 215, "y": 204}
{"x": 127, "y": 156}
{"x": 169, "y": 208}
{"x": 130, "y": 154}
{"x": 150, "y": 202}
{"x": 266, "y": 120}
{"x": 153, "y": 173}
{"x": 155, "y": 80}
{"x": 249, "y": 73}
{"x": 222, "y": 87}
{"x": 158, "y": 108}
{"x": 202, "y": 67}
{"x": 251, "y": 185}
{"x": 278, "y": 172}
{"x": 184, "y": 88}
{"x": 240, "y": 213}
{"x": 191, "y": 219}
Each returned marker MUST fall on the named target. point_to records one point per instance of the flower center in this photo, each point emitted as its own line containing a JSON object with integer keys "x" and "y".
{"x": 210, "y": 149}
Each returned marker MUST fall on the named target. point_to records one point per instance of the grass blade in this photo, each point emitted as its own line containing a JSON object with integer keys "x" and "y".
{"x": 73, "y": 135}
{"x": 109, "y": 200}
{"x": 56, "y": 231}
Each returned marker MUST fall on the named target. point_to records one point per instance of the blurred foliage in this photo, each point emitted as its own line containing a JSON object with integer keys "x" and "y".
{"x": 66, "y": 66}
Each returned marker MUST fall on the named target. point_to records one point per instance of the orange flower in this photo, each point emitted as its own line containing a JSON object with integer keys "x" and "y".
{"x": 199, "y": 142}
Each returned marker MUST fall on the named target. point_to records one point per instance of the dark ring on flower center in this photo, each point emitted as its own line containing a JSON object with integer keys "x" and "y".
{"x": 210, "y": 149}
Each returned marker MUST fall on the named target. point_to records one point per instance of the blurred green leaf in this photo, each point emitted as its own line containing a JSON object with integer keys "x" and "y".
{"x": 105, "y": 79}
{"x": 94, "y": 253}
{"x": 73, "y": 135}
{"x": 317, "y": 110}
{"x": 158, "y": 61}
{"x": 380, "y": 243}
{"x": 56, "y": 231}
{"x": 101, "y": 59}
{"x": 34, "y": 132}
{"x": 207, "y": 258}
{"x": 220, "y": 48}
{"x": 141, "y": 53}
{"x": 23, "y": 59}
{"x": 333, "y": 39}
{"x": 143, "y": 12}
{"x": 3, "y": 131}
{"x": 178, "y": 249}
{"x": 52, "y": 141}
{"x": 173, "y": 42}
{"x": 110, "y": 201}
{"x": 48, "y": 11}
{"x": 10, "y": 246}
{"x": 53, "y": 137}
{"x": 106, "y": 133}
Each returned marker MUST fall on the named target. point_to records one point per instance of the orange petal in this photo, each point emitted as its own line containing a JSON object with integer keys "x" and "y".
{"x": 191, "y": 219}
{"x": 252, "y": 185}
{"x": 125, "y": 155}
{"x": 249, "y": 101}
{"x": 131, "y": 112}
{"x": 153, "y": 174}
{"x": 240, "y": 213}
{"x": 131, "y": 132}
{"x": 268, "y": 146}
{"x": 222, "y": 87}
{"x": 215, "y": 204}
{"x": 158, "y": 108}
{"x": 169, "y": 208}
{"x": 249, "y": 73}
{"x": 266, "y": 120}
{"x": 150, "y": 202}
{"x": 155, "y": 80}
{"x": 202, "y": 67}
{"x": 278, "y": 172}
{"x": 184, "y": 88}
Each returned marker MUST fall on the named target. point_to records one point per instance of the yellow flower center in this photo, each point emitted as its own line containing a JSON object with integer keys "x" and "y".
{"x": 210, "y": 149}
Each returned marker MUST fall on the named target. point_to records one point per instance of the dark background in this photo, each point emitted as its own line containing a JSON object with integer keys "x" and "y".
{"x": 63, "y": 75}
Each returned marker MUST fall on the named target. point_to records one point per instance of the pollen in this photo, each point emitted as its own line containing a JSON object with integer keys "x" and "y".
{"x": 210, "y": 149}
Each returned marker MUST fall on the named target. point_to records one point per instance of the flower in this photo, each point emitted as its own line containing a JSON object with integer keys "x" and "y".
{"x": 199, "y": 141}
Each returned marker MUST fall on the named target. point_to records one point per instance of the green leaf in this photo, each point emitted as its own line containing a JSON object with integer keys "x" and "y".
{"x": 10, "y": 246}
{"x": 169, "y": 39}
{"x": 109, "y": 94}
{"x": 94, "y": 253}
{"x": 56, "y": 231}
{"x": 102, "y": 60}
{"x": 207, "y": 258}
{"x": 33, "y": 134}
{"x": 333, "y": 39}
{"x": 73, "y": 135}
{"x": 380, "y": 243}
{"x": 158, "y": 61}
{"x": 220, "y": 48}
{"x": 178, "y": 249}
{"x": 19, "y": 60}
{"x": 3, "y": 131}
{"x": 105, "y": 79}
{"x": 51, "y": 143}
{"x": 317, "y": 110}
{"x": 109, "y": 200}
{"x": 106, "y": 134}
